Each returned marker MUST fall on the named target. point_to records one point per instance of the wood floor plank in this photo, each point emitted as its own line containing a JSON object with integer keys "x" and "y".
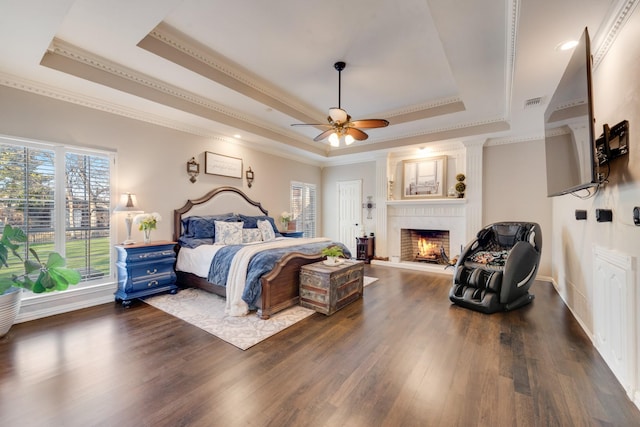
{"x": 401, "y": 356}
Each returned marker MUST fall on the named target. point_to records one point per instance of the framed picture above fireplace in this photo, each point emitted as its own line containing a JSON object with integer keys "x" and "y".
{"x": 424, "y": 178}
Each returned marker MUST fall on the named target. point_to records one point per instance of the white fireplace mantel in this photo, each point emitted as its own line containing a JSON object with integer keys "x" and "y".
{"x": 461, "y": 216}
{"x": 429, "y": 214}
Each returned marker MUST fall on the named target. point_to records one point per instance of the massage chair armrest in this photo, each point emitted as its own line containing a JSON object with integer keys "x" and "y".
{"x": 520, "y": 269}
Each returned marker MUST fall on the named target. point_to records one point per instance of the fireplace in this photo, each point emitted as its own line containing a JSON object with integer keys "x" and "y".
{"x": 430, "y": 246}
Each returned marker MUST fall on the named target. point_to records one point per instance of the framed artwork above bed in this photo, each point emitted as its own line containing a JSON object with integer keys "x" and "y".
{"x": 217, "y": 164}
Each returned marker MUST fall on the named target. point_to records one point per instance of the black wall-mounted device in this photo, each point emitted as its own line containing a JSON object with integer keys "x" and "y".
{"x": 581, "y": 214}
{"x": 604, "y": 215}
{"x": 614, "y": 142}
{"x": 636, "y": 215}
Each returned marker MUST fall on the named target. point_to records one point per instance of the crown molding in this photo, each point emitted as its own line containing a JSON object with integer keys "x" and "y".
{"x": 622, "y": 10}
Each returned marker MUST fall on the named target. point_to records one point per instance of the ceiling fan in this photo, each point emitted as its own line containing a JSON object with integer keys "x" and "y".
{"x": 340, "y": 123}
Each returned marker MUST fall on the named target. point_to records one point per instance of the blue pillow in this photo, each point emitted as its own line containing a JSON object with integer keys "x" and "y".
{"x": 190, "y": 242}
{"x": 203, "y": 227}
{"x": 252, "y": 222}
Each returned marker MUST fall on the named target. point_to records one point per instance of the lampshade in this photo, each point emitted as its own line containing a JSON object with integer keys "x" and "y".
{"x": 128, "y": 203}
{"x": 348, "y": 140}
{"x": 338, "y": 115}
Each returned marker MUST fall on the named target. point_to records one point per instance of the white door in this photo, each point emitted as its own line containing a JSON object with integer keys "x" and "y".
{"x": 350, "y": 213}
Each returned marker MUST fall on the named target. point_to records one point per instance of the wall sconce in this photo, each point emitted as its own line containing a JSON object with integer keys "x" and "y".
{"x": 129, "y": 204}
{"x": 193, "y": 169}
{"x": 249, "y": 175}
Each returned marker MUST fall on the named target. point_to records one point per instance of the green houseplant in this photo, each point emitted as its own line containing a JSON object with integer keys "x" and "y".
{"x": 460, "y": 185}
{"x": 38, "y": 277}
{"x": 333, "y": 253}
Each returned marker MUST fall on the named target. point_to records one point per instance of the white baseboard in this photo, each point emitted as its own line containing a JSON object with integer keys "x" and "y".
{"x": 44, "y": 305}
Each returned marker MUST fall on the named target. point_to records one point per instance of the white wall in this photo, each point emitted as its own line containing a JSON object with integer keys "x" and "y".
{"x": 151, "y": 162}
{"x": 616, "y": 97}
{"x": 514, "y": 189}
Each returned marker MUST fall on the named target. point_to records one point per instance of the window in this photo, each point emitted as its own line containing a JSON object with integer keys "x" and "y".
{"x": 60, "y": 196}
{"x": 303, "y": 207}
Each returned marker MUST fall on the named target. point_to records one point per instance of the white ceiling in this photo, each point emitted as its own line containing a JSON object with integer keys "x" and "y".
{"x": 436, "y": 69}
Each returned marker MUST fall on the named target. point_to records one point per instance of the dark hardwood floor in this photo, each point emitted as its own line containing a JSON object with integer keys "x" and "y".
{"x": 401, "y": 356}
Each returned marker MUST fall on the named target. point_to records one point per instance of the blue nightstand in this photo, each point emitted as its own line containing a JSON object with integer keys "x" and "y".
{"x": 296, "y": 234}
{"x": 145, "y": 269}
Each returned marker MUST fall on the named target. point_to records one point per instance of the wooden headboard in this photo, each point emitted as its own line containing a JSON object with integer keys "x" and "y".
{"x": 218, "y": 201}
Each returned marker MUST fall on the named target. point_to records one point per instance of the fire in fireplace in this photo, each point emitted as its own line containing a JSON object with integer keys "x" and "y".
{"x": 424, "y": 246}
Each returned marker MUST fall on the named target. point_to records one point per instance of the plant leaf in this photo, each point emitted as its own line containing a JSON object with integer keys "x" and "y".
{"x": 37, "y": 286}
{"x": 55, "y": 260}
{"x": 31, "y": 266}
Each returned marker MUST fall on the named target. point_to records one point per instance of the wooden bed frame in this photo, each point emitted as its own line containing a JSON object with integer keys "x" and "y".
{"x": 280, "y": 287}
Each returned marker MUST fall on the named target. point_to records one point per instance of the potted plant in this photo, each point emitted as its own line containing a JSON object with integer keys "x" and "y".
{"x": 460, "y": 185}
{"x": 333, "y": 254}
{"x": 51, "y": 276}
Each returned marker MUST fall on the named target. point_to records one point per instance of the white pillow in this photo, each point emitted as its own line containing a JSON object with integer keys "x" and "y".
{"x": 267, "y": 230}
{"x": 228, "y": 233}
{"x": 250, "y": 235}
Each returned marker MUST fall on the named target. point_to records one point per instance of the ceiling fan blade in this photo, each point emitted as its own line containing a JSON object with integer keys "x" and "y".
{"x": 369, "y": 123}
{"x": 324, "y": 135}
{"x": 338, "y": 115}
{"x": 357, "y": 134}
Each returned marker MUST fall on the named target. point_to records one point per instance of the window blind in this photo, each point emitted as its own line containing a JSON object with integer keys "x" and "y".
{"x": 303, "y": 207}
{"x": 30, "y": 178}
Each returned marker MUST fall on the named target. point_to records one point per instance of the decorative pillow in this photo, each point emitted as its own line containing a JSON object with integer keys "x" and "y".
{"x": 250, "y": 235}
{"x": 228, "y": 233}
{"x": 267, "y": 230}
{"x": 252, "y": 222}
{"x": 190, "y": 242}
{"x": 203, "y": 227}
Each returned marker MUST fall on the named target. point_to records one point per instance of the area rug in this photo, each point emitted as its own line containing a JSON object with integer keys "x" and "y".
{"x": 369, "y": 280}
{"x": 206, "y": 311}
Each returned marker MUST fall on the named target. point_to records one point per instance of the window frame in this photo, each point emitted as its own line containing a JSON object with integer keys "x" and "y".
{"x": 60, "y": 228}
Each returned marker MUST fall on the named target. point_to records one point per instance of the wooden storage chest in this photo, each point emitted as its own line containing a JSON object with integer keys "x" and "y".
{"x": 327, "y": 289}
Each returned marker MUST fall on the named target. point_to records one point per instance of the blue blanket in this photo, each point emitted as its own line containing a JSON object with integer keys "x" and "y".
{"x": 260, "y": 263}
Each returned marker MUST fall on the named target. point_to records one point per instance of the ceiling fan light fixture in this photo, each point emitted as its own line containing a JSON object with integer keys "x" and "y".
{"x": 334, "y": 140}
{"x": 338, "y": 115}
{"x": 340, "y": 124}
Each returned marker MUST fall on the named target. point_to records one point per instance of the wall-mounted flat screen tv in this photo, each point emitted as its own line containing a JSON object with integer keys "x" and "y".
{"x": 569, "y": 127}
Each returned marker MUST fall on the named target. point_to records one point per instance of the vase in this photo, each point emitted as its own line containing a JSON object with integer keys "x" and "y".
{"x": 147, "y": 235}
{"x": 9, "y": 308}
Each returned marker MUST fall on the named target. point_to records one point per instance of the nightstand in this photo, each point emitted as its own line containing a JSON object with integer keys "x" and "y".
{"x": 296, "y": 234}
{"x": 365, "y": 248}
{"x": 145, "y": 269}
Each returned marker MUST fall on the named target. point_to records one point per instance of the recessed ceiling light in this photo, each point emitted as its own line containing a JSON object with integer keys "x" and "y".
{"x": 238, "y": 136}
{"x": 567, "y": 45}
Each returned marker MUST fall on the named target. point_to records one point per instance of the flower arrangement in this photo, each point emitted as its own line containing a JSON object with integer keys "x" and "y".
{"x": 147, "y": 221}
{"x": 285, "y": 218}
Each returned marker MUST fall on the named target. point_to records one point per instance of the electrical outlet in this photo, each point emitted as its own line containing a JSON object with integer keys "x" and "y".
{"x": 604, "y": 215}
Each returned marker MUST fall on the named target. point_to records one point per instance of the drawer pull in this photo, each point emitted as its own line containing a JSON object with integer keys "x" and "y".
{"x": 155, "y": 270}
{"x": 152, "y": 283}
{"x": 144, "y": 255}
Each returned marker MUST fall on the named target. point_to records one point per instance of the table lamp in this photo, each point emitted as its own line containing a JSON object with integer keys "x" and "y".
{"x": 128, "y": 203}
